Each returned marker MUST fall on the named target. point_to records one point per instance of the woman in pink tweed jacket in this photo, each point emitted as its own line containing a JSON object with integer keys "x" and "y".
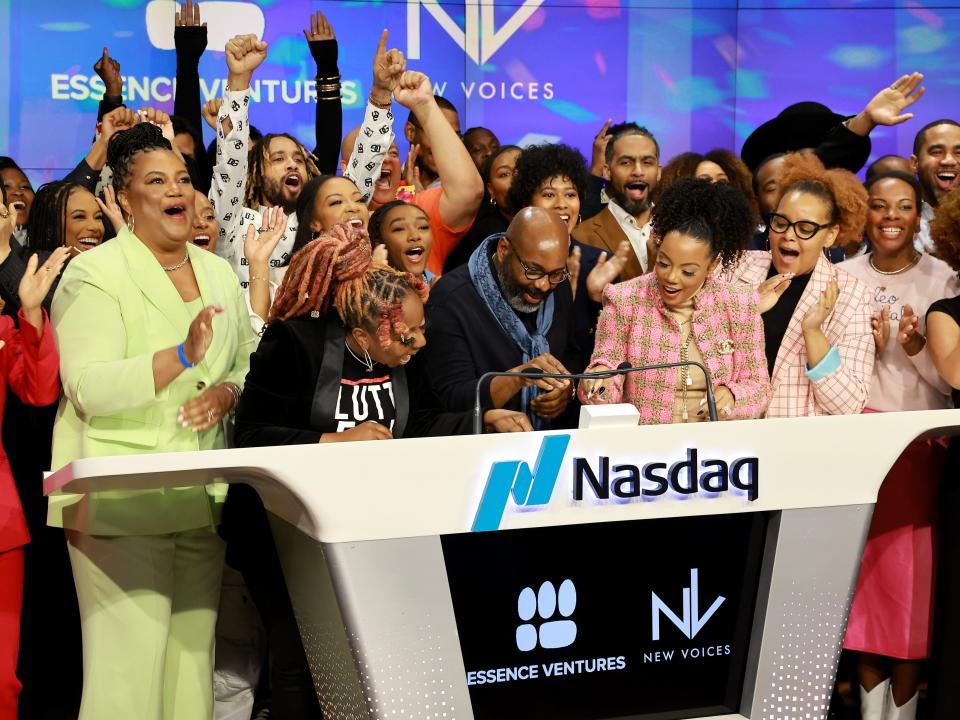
{"x": 684, "y": 310}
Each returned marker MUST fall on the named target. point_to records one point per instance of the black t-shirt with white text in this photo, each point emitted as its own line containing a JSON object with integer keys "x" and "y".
{"x": 364, "y": 395}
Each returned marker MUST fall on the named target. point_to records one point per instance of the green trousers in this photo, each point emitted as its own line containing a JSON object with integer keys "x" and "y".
{"x": 148, "y": 609}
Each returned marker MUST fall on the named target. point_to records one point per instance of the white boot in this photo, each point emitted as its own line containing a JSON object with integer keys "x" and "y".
{"x": 907, "y": 711}
{"x": 873, "y": 704}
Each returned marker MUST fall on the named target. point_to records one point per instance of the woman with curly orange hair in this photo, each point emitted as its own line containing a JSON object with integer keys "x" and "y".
{"x": 943, "y": 344}
{"x": 716, "y": 166}
{"x": 817, "y": 318}
{"x": 334, "y": 365}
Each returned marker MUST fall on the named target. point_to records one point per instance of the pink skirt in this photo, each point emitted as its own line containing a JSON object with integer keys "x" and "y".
{"x": 893, "y": 605}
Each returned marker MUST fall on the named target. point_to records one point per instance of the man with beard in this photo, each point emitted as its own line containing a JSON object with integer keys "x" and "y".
{"x": 632, "y": 172}
{"x": 280, "y": 166}
{"x": 936, "y": 161}
{"x": 509, "y": 308}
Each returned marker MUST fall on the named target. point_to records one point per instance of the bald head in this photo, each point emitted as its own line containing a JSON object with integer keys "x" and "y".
{"x": 536, "y": 230}
{"x": 536, "y": 244}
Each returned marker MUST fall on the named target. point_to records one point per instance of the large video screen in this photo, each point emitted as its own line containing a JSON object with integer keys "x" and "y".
{"x": 647, "y": 620}
{"x": 699, "y": 73}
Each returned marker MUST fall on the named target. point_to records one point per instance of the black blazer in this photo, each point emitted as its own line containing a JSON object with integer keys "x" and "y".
{"x": 290, "y": 393}
{"x": 465, "y": 340}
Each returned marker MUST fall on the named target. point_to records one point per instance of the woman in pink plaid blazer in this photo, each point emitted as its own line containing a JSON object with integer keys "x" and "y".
{"x": 685, "y": 311}
{"x": 817, "y": 318}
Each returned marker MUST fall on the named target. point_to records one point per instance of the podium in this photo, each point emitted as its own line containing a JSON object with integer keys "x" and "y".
{"x": 671, "y": 571}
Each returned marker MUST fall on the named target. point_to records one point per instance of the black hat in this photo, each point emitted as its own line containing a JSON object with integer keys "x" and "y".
{"x": 803, "y": 125}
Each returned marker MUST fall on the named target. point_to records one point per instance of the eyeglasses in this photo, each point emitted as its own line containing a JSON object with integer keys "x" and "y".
{"x": 803, "y": 229}
{"x": 555, "y": 277}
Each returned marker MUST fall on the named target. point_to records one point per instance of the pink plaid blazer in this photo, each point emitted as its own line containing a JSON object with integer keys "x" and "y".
{"x": 635, "y": 327}
{"x": 848, "y": 329}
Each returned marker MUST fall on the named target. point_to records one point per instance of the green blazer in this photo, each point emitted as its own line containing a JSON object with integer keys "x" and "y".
{"x": 114, "y": 308}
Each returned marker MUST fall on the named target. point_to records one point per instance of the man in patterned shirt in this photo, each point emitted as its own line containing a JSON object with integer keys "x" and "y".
{"x": 240, "y": 194}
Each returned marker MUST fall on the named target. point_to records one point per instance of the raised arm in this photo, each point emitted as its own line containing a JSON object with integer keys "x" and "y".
{"x": 462, "y": 185}
{"x": 190, "y": 40}
{"x": 329, "y": 112}
{"x": 108, "y": 69}
{"x": 244, "y": 55}
{"x": 376, "y": 134}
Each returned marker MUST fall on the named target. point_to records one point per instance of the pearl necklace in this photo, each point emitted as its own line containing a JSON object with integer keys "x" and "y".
{"x": 177, "y": 266}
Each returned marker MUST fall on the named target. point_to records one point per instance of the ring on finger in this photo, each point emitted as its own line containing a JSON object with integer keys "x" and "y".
{"x": 209, "y": 415}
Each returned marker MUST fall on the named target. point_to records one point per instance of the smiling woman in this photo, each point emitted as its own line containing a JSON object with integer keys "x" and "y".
{"x": 64, "y": 214}
{"x": 172, "y": 348}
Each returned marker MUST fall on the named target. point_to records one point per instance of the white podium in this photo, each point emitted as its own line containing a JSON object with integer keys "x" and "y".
{"x": 671, "y": 571}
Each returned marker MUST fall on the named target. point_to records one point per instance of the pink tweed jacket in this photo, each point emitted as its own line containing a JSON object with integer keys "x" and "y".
{"x": 635, "y": 327}
{"x": 848, "y": 329}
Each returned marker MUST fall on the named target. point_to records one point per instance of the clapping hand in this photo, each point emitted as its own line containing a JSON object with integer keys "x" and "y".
{"x": 821, "y": 309}
{"x": 908, "y": 334}
{"x": 259, "y": 246}
{"x": 573, "y": 269}
{"x": 110, "y": 208}
{"x": 880, "y": 322}
{"x": 411, "y": 172}
{"x": 35, "y": 284}
{"x": 606, "y": 271}
{"x": 771, "y": 289}
{"x": 200, "y": 334}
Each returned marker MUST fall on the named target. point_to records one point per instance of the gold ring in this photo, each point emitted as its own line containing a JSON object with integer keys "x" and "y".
{"x": 209, "y": 415}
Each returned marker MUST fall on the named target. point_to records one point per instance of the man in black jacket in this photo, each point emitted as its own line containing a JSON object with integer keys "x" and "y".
{"x": 509, "y": 308}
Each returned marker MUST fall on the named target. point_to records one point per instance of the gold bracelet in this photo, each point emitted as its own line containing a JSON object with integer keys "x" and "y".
{"x": 259, "y": 277}
{"x": 376, "y": 104}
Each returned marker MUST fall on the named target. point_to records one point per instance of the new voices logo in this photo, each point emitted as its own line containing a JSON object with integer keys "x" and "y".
{"x": 532, "y": 488}
{"x": 689, "y": 622}
{"x": 479, "y": 38}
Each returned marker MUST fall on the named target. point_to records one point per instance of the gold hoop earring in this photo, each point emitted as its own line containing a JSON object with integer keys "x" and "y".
{"x": 132, "y": 223}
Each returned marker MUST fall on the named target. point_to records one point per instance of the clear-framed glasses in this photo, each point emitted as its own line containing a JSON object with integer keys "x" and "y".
{"x": 803, "y": 229}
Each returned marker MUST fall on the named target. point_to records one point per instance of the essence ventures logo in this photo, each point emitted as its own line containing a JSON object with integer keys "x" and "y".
{"x": 552, "y": 634}
{"x": 479, "y": 39}
{"x": 692, "y": 622}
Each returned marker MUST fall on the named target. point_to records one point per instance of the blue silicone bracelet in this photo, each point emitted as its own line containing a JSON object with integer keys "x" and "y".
{"x": 183, "y": 357}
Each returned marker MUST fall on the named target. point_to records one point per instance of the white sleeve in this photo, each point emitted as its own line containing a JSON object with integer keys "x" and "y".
{"x": 373, "y": 142}
{"x": 230, "y": 174}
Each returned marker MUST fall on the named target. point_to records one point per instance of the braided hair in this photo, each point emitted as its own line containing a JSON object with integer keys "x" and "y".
{"x": 259, "y": 156}
{"x": 47, "y": 223}
{"x": 337, "y": 271}
{"x": 125, "y": 146}
{"x": 715, "y": 213}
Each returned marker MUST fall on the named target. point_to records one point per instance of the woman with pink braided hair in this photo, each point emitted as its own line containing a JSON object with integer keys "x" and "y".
{"x": 335, "y": 364}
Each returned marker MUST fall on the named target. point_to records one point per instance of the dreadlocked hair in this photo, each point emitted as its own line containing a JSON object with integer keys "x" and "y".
{"x": 125, "y": 146}
{"x": 48, "y": 215}
{"x": 840, "y": 189}
{"x": 337, "y": 270}
{"x": 258, "y": 158}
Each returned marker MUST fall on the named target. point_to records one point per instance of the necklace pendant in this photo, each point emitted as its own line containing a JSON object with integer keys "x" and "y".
{"x": 689, "y": 381}
{"x": 685, "y": 416}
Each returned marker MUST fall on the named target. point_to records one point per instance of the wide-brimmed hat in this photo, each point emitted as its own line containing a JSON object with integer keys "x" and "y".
{"x": 802, "y": 125}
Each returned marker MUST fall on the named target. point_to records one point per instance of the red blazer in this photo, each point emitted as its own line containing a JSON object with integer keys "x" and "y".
{"x": 29, "y": 364}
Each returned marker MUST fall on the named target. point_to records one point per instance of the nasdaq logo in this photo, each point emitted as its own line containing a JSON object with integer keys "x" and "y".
{"x": 691, "y": 621}
{"x": 514, "y": 477}
{"x": 479, "y": 38}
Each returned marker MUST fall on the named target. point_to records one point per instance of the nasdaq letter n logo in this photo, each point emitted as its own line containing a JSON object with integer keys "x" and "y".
{"x": 479, "y": 39}
{"x": 515, "y": 477}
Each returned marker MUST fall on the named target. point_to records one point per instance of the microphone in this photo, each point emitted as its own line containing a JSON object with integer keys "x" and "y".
{"x": 623, "y": 368}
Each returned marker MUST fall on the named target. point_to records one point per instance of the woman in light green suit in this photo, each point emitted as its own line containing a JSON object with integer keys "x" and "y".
{"x": 155, "y": 342}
